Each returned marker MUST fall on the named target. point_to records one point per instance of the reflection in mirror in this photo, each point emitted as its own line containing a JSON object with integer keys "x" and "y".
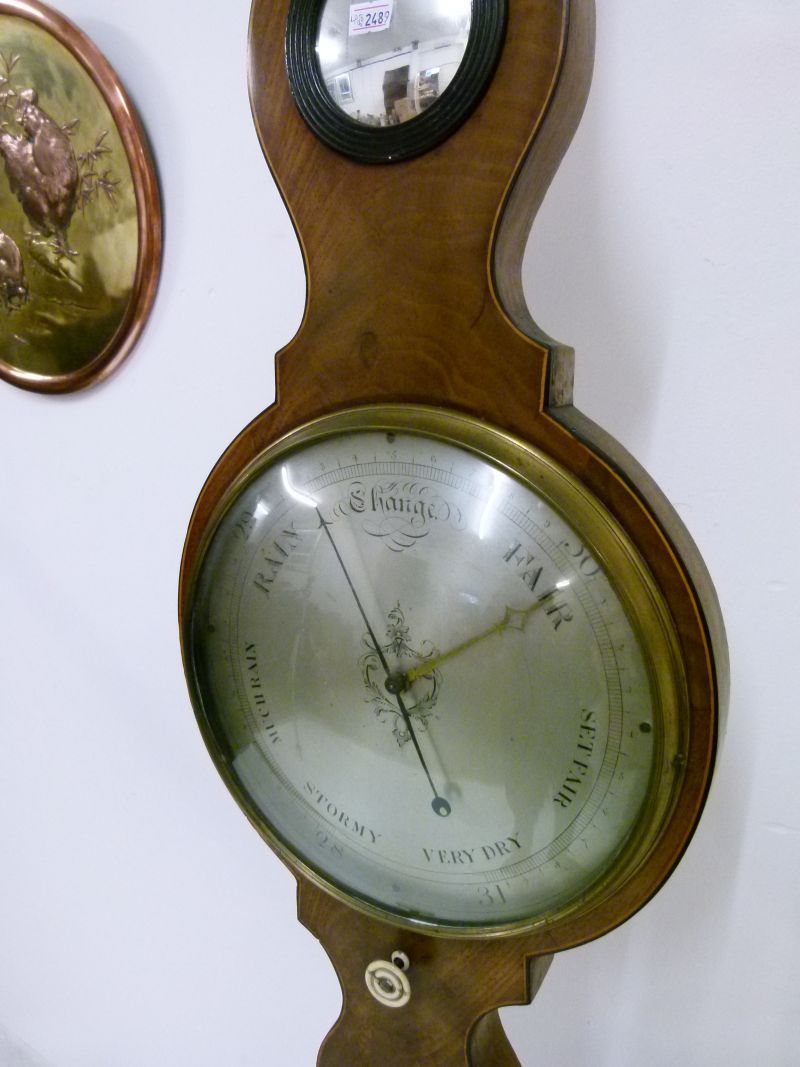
{"x": 386, "y": 61}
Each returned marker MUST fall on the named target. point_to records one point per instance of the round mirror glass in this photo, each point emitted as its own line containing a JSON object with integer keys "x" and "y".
{"x": 384, "y": 62}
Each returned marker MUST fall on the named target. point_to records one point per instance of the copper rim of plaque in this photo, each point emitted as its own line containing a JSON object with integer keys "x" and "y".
{"x": 148, "y": 206}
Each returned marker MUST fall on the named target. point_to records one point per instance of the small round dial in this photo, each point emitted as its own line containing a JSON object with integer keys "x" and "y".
{"x": 435, "y": 672}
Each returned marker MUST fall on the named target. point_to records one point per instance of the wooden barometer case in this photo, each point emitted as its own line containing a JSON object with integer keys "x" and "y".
{"x": 449, "y": 647}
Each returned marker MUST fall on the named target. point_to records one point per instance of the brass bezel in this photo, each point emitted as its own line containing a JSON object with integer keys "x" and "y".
{"x": 633, "y": 583}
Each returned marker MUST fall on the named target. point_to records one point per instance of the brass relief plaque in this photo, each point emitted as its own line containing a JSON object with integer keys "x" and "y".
{"x": 80, "y": 227}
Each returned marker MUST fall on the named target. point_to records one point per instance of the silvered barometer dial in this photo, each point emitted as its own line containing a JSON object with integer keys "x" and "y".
{"x": 435, "y": 671}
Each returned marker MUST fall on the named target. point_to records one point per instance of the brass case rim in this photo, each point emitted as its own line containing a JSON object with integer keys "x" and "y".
{"x": 647, "y": 611}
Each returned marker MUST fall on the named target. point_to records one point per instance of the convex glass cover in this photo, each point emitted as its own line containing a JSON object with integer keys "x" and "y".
{"x": 435, "y": 672}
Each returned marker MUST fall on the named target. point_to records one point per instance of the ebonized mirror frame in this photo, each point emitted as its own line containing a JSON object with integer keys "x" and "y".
{"x": 390, "y": 144}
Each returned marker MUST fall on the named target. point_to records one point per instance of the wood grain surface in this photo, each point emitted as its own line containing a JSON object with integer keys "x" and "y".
{"x": 415, "y": 295}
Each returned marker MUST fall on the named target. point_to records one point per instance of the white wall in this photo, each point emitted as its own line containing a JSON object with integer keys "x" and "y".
{"x": 142, "y": 922}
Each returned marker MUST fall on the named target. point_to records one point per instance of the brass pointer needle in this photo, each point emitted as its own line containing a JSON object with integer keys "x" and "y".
{"x": 513, "y": 618}
{"x": 394, "y": 684}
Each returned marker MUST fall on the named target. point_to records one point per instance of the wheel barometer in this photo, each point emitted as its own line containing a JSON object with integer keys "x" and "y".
{"x": 449, "y": 648}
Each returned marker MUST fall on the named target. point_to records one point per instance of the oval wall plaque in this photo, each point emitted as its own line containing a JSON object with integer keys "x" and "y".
{"x": 80, "y": 217}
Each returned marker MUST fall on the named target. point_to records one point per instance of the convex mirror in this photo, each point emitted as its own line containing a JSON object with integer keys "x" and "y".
{"x": 386, "y": 61}
{"x": 385, "y": 80}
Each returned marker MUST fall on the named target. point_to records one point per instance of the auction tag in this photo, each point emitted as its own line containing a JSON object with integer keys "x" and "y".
{"x": 370, "y": 16}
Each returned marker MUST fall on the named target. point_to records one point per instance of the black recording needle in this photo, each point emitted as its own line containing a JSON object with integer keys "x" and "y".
{"x": 394, "y": 683}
